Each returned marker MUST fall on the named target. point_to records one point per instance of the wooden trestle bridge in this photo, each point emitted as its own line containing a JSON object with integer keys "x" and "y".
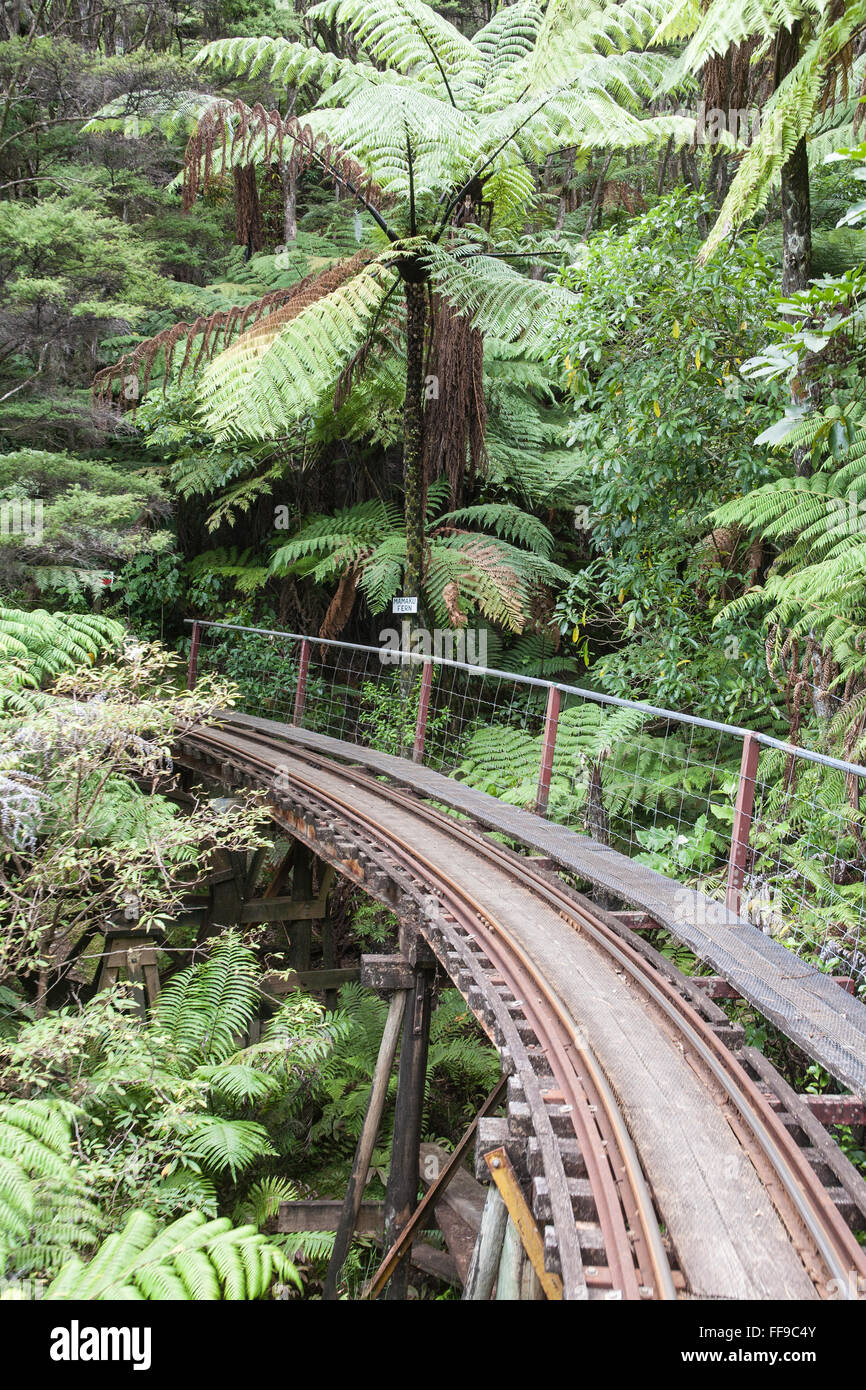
{"x": 644, "y": 1152}
{"x": 636, "y": 1147}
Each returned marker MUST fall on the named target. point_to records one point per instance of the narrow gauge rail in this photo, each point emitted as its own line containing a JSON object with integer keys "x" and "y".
{"x": 582, "y": 1146}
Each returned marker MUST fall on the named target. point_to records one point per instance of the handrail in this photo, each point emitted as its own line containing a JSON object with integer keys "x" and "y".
{"x": 736, "y": 730}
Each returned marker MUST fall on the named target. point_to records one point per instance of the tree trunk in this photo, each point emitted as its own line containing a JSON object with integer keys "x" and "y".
{"x": 796, "y": 222}
{"x": 413, "y": 433}
{"x": 796, "y": 209}
{"x": 290, "y": 201}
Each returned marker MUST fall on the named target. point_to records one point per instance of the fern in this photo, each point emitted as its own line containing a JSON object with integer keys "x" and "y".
{"x": 36, "y": 645}
{"x": 191, "y": 1259}
{"x": 472, "y": 567}
{"x": 261, "y": 385}
{"x": 204, "y": 1008}
{"x": 45, "y": 1206}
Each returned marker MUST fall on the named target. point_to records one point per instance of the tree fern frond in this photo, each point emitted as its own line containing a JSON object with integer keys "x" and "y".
{"x": 261, "y": 385}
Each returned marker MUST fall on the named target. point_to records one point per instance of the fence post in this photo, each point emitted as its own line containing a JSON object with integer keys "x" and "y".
{"x": 742, "y": 821}
{"x": 423, "y": 706}
{"x": 192, "y": 669}
{"x": 301, "y": 689}
{"x": 551, "y": 722}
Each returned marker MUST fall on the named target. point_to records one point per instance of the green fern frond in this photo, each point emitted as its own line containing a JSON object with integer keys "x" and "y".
{"x": 191, "y": 1259}
{"x": 262, "y": 385}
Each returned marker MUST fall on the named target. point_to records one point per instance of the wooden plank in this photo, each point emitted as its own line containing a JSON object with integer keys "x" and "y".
{"x": 324, "y": 1215}
{"x": 459, "y": 1209}
{"x": 314, "y": 981}
{"x": 282, "y": 910}
{"x": 464, "y": 1194}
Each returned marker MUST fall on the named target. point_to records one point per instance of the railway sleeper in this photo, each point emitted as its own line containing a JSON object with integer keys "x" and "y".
{"x": 580, "y": 1193}
{"x": 521, "y": 1125}
{"x": 590, "y": 1239}
{"x": 573, "y": 1160}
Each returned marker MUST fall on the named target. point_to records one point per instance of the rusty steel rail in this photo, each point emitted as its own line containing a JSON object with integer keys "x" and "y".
{"x": 478, "y": 952}
{"x": 619, "y": 1187}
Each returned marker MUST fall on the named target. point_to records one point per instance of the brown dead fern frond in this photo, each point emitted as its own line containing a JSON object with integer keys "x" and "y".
{"x": 129, "y": 377}
{"x": 232, "y": 133}
{"x": 341, "y": 605}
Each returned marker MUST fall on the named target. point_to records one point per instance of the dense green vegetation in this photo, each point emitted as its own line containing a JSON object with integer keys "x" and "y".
{"x": 549, "y": 313}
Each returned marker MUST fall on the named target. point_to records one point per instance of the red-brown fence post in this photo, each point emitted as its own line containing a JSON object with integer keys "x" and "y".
{"x": 301, "y": 688}
{"x": 551, "y": 722}
{"x": 742, "y": 821}
{"x": 423, "y": 707}
{"x": 192, "y": 669}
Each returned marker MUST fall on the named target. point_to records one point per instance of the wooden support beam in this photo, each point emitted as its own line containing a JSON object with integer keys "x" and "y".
{"x": 280, "y": 872}
{"x": 366, "y": 1143}
{"x": 401, "y": 1193}
{"x": 510, "y": 1266}
{"x": 282, "y": 910}
{"x": 301, "y": 942}
{"x": 386, "y": 973}
{"x": 433, "y": 1196}
{"x": 314, "y": 981}
{"x": 295, "y": 1217}
{"x": 254, "y": 868}
{"x": 135, "y": 959}
{"x": 484, "y": 1267}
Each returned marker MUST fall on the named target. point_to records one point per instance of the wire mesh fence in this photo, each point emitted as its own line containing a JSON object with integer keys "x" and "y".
{"x": 774, "y": 830}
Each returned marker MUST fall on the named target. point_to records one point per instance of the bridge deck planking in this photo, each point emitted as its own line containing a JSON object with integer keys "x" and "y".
{"x": 806, "y": 1005}
{"x": 729, "y": 1240}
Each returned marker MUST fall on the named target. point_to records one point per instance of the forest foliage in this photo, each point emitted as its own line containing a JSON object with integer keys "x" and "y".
{"x": 548, "y": 312}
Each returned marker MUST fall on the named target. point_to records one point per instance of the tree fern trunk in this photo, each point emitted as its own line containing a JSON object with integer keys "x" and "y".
{"x": 413, "y": 433}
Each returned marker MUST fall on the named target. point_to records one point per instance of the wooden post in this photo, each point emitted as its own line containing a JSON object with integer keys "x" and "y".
{"x": 488, "y": 1249}
{"x": 300, "y": 947}
{"x": 328, "y": 959}
{"x": 551, "y": 722}
{"x": 401, "y": 1193}
{"x": 366, "y": 1142}
{"x": 192, "y": 669}
{"x": 510, "y": 1266}
{"x": 301, "y": 688}
{"x": 134, "y": 957}
{"x": 423, "y": 707}
{"x": 742, "y": 821}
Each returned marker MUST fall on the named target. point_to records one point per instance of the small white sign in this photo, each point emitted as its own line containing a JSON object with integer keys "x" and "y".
{"x": 404, "y": 605}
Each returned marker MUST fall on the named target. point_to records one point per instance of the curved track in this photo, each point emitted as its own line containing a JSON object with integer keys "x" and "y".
{"x": 657, "y": 1166}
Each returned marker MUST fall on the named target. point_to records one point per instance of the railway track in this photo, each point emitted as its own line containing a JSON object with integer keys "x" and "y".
{"x": 566, "y": 1127}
